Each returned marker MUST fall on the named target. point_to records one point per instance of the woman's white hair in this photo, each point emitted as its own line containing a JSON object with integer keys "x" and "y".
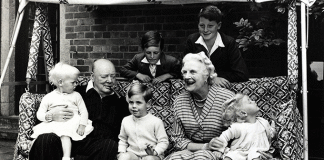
{"x": 201, "y": 57}
{"x": 61, "y": 71}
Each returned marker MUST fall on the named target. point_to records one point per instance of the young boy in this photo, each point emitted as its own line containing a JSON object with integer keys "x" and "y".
{"x": 142, "y": 135}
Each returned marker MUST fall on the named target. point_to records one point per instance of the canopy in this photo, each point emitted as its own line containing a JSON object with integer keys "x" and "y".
{"x": 292, "y": 44}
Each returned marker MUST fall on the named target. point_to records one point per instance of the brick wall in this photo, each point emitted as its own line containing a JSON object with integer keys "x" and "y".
{"x": 114, "y": 32}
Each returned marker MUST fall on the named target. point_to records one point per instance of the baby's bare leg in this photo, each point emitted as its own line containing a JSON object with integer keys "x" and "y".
{"x": 227, "y": 158}
{"x": 128, "y": 156}
{"x": 66, "y": 145}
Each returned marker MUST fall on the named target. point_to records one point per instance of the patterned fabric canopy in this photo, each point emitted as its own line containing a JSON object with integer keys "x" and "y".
{"x": 41, "y": 34}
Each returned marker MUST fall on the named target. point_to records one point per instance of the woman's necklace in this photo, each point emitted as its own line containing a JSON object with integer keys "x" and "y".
{"x": 199, "y": 102}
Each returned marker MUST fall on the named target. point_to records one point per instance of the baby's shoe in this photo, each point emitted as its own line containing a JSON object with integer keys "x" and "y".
{"x": 66, "y": 158}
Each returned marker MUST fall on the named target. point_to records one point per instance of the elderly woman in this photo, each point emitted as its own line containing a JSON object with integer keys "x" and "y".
{"x": 198, "y": 111}
{"x": 222, "y": 49}
{"x": 152, "y": 65}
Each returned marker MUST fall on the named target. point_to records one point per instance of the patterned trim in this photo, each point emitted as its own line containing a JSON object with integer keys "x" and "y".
{"x": 64, "y": 2}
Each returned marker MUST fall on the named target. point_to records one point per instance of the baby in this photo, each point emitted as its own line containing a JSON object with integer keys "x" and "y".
{"x": 251, "y": 134}
{"x": 142, "y": 135}
{"x": 64, "y": 77}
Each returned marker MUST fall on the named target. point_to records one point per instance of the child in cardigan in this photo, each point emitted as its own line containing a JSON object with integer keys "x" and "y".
{"x": 64, "y": 77}
{"x": 142, "y": 135}
{"x": 251, "y": 134}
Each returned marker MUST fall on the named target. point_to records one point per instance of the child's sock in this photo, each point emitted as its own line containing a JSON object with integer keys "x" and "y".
{"x": 66, "y": 158}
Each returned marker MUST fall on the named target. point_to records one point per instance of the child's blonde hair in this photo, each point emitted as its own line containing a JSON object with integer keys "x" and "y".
{"x": 231, "y": 109}
{"x": 201, "y": 57}
{"x": 60, "y": 71}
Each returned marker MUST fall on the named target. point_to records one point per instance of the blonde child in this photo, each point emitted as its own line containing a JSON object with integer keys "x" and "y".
{"x": 64, "y": 77}
{"x": 251, "y": 134}
{"x": 142, "y": 135}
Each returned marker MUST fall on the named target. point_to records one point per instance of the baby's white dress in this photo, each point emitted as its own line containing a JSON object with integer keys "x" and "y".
{"x": 69, "y": 128}
{"x": 249, "y": 138}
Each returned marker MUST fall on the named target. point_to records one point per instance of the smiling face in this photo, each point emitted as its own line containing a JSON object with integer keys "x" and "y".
{"x": 69, "y": 83}
{"x": 152, "y": 54}
{"x": 249, "y": 106}
{"x": 194, "y": 75}
{"x": 208, "y": 29}
{"x": 104, "y": 77}
{"x": 137, "y": 105}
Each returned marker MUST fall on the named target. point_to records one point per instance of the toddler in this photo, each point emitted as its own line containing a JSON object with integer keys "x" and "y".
{"x": 64, "y": 77}
{"x": 251, "y": 134}
{"x": 142, "y": 135}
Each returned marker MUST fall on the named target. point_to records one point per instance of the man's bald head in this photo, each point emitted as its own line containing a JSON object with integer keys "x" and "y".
{"x": 103, "y": 76}
{"x": 102, "y": 63}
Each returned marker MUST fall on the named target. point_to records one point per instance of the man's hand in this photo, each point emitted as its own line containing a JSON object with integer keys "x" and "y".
{"x": 143, "y": 77}
{"x": 222, "y": 82}
{"x": 61, "y": 114}
{"x": 81, "y": 129}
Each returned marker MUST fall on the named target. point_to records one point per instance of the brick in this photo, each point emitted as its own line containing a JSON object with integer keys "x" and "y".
{"x": 171, "y": 40}
{"x": 70, "y": 36}
{"x": 106, "y": 35}
{"x": 112, "y": 21}
{"x": 82, "y": 8}
{"x": 170, "y": 19}
{"x": 105, "y": 48}
{"x": 115, "y": 55}
{"x": 116, "y": 27}
{"x": 132, "y": 34}
{"x": 81, "y": 15}
{"x": 131, "y": 20}
{"x": 98, "y": 42}
{"x": 81, "y": 48}
{"x": 99, "y": 28}
{"x": 123, "y": 62}
{"x": 129, "y": 55}
{"x": 114, "y": 34}
{"x": 187, "y": 26}
{"x": 83, "y": 68}
{"x": 71, "y": 22}
{"x": 72, "y": 48}
{"x": 150, "y": 19}
{"x": 97, "y": 48}
{"x": 89, "y": 35}
{"x": 152, "y": 12}
{"x": 140, "y": 19}
{"x": 80, "y": 55}
{"x": 82, "y": 28}
{"x": 123, "y": 48}
{"x": 172, "y": 26}
{"x": 98, "y": 35}
{"x": 69, "y": 16}
{"x": 160, "y": 19}
{"x": 69, "y": 29}
{"x": 115, "y": 41}
{"x": 115, "y": 62}
{"x": 71, "y": 8}
{"x": 115, "y": 48}
{"x": 171, "y": 48}
{"x": 132, "y": 41}
{"x": 80, "y": 62}
{"x": 152, "y": 27}
{"x": 123, "y": 34}
{"x": 170, "y": 34}
{"x": 133, "y": 48}
{"x": 71, "y": 42}
{"x": 81, "y": 42}
{"x": 180, "y": 34}
{"x": 134, "y": 27}
{"x": 133, "y": 13}
{"x": 89, "y": 48}
{"x": 98, "y": 55}
{"x": 85, "y": 21}
{"x": 80, "y": 35}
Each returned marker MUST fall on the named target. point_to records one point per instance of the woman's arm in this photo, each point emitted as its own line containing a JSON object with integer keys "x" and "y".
{"x": 178, "y": 135}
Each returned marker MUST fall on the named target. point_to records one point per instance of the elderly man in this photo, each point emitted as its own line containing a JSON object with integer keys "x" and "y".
{"x": 106, "y": 110}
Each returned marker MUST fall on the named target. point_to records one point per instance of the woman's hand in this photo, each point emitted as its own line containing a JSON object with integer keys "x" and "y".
{"x": 215, "y": 144}
{"x": 143, "y": 77}
{"x": 61, "y": 114}
{"x": 222, "y": 82}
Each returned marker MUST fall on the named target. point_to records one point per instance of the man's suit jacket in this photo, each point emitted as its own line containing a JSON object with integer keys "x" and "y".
{"x": 169, "y": 64}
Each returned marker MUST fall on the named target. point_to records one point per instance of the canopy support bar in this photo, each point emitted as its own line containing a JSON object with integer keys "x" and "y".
{"x": 304, "y": 77}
